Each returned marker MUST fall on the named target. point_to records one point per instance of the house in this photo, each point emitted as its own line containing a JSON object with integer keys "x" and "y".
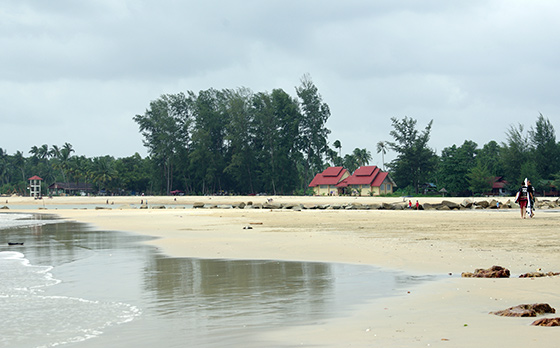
{"x": 325, "y": 183}
{"x": 499, "y": 186}
{"x": 69, "y": 188}
{"x": 368, "y": 181}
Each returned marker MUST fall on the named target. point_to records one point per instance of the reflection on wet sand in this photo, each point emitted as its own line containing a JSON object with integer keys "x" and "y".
{"x": 199, "y": 301}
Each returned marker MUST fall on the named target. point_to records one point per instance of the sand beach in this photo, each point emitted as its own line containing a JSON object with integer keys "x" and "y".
{"x": 452, "y": 312}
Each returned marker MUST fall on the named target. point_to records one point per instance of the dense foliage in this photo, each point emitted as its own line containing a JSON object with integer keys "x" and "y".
{"x": 241, "y": 142}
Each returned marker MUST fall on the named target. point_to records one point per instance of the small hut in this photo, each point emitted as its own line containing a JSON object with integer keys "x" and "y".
{"x": 35, "y": 186}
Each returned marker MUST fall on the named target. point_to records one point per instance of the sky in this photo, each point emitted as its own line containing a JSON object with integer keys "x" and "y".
{"x": 79, "y": 71}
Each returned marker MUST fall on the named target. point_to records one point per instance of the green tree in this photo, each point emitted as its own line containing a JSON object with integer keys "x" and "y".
{"x": 546, "y": 150}
{"x": 382, "y": 148}
{"x": 207, "y": 160}
{"x": 480, "y": 179}
{"x": 313, "y": 130}
{"x": 241, "y": 164}
{"x": 454, "y": 165}
{"x": 490, "y": 157}
{"x": 338, "y": 145}
{"x": 415, "y": 161}
{"x": 351, "y": 162}
{"x": 165, "y": 127}
{"x": 515, "y": 152}
{"x": 103, "y": 173}
{"x": 363, "y": 156}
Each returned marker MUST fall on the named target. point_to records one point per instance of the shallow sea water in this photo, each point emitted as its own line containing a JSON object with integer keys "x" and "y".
{"x": 74, "y": 286}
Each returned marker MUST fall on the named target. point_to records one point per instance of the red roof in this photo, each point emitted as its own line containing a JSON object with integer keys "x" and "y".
{"x": 362, "y": 176}
{"x": 34, "y": 177}
{"x": 499, "y": 182}
{"x": 329, "y": 176}
{"x": 379, "y": 179}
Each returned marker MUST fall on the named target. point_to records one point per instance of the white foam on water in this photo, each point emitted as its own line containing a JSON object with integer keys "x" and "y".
{"x": 31, "y": 319}
{"x": 20, "y": 220}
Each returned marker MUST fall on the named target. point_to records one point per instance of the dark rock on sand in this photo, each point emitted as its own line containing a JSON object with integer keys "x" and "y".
{"x": 198, "y": 205}
{"x": 539, "y": 274}
{"x": 271, "y": 206}
{"x": 451, "y": 205}
{"x": 482, "y": 204}
{"x": 546, "y": 322}
{"x": 238, "y": 205}
{"x": 493, "y": 272}
{"x": 526, "y": 310}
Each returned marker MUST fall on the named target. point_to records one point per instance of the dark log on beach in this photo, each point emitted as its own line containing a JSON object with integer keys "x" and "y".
{"x": 15, "y": 243}
{"x": 526, "y": 310}
{"x": 546, "y": 322}
{"x": 493, "y": 272}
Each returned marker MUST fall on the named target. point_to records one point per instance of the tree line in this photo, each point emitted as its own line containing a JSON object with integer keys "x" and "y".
{"x": 467, "y": 169}
{"x": 236, "y": 141}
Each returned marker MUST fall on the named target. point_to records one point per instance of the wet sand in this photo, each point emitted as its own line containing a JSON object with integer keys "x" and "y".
{"x": 452, "y": 312}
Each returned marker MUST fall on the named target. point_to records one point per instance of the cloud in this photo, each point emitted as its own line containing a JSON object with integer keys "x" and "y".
{"x": 473, "y": 67}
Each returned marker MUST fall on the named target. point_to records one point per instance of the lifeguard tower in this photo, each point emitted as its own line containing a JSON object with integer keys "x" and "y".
{"x": 35, "y": 186}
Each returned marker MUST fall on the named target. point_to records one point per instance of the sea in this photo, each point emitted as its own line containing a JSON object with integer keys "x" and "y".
{"x": 66, "y": 284}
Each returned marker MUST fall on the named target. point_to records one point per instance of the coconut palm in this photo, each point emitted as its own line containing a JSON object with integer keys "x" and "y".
{"x": 382, "y": 148}
{"x": 363, "y": 156}
{"x": 338, "y": 145}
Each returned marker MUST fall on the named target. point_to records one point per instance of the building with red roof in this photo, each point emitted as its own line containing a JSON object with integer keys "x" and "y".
{"x": 368, "y": 181}
{"x": 499, "y": 186}
{"x": 35, "y": 186}
{"x": 325, "y": 183}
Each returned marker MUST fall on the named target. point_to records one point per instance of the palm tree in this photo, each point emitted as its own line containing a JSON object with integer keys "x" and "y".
{"x": 363, "y": 156}
{"x": 382, "y": 147}
{"x": 350, "y": 163}
{"x": 43, "y": 151}
{"x": 102, "y": 172}
{"x": 54, "y": 152}
{"x": 19, "y": 162}
{"x": 3, "y": 166}
{"x": 64, "y": 156}
{"x": 338, "y": 145}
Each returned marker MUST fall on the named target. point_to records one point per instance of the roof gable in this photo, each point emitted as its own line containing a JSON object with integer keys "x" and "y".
{"x": 363, "y": 176}
{"x": 329, "y": 176}
{"x": 379, "y": 179}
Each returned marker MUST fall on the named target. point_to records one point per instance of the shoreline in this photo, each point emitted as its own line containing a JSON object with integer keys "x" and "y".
{"x": 413, "y": 241}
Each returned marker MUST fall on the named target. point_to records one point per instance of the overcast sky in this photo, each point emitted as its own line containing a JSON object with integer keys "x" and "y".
{"x": 78, "y": 71}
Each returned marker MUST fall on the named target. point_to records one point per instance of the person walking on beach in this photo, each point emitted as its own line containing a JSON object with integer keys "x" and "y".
{"x": 531, "y": 197}
{"x": 522, "y": 198}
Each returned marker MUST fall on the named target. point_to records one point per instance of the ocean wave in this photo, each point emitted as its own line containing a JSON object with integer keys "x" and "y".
{"x": 30, "y": 318}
